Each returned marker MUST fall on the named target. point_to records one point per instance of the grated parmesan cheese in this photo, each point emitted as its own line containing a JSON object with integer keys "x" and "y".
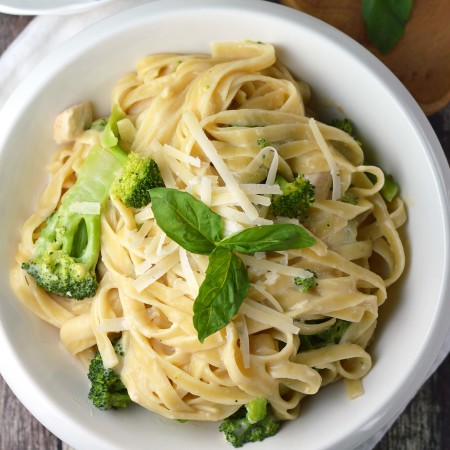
{"x": 188, "y": 272}
{"x": 273, "y": 301}
{"x": 206, "y": 190}
{"x": 183, "y": 157}
{"x": 334, "y": 171}
{"x": 244, "y": 340}
{"x": 146, "y": 213}
{"x": 211, "y": 153}
{"x": 239, "y": 216}
{"x": 155, "y": 272}
{"x": 264, "y": 264}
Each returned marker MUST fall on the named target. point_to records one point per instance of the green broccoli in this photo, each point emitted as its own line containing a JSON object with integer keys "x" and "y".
{"x": 99, "y": 124}
{"x": 140, "y": 174}
{"x": 347, "y": 126}
{"x": 306, "y": 283}
{"x": 107, "y": 389}
{"x": 350, "y": 198}
{"x": 390, "y": 187}
{"x": 296, "y": 199}
{"x": 251, "y": 423}
{"x": 68, "y": 247}
{"x": 330, "y": 336}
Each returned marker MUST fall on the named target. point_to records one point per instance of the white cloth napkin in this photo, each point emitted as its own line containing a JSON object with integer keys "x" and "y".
{"x": 46, "y": 32}
{"x": 42, "y": 35}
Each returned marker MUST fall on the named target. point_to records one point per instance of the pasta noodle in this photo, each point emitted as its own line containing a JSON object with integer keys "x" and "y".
{"x": 200, "y": 117}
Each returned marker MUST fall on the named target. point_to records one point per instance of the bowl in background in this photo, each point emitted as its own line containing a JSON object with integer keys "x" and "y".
{"x": 343, "y": 76}
{"x": 59, "y": 7}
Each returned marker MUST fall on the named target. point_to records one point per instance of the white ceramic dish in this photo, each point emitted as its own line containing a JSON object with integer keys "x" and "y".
{"x": 413, "y": 323}
{"x": 38, "y": 7}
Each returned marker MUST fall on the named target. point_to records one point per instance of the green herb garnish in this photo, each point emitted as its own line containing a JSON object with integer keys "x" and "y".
{"x": 222, "y": 292}
{"x": 330, "y": 336}
{"x": 266, "y": 238}
{"x": 385, "y": 21}
{"x": 198, "y": 229}
{"x": 306, "y": 283}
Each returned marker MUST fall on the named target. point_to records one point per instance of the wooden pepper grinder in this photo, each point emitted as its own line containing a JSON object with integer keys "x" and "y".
{"x": 421, "y": 59}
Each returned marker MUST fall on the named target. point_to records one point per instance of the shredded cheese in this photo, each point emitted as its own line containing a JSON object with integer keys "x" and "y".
{"x": 264, "y": 264}
{"x": 206, "y": 190}
{"x": 211, "y": 153}
{"x": 144, "y": 214}
{"x": 155, "y": 272}
{"x": 334, "y": 171}
{"x": 256, "y": 189}
{"x": 273, "y": 169}
{"x": 188, "y": 273}
{"x": 137, "y": 237}
{"x": 241, "y": 217}
{"x": 273, "y": 301}
{"x": 157, "y": 152}
{"x": 244, "y": 340}
{"x": 183, "y": 157}
{"x": 228, "y": 198}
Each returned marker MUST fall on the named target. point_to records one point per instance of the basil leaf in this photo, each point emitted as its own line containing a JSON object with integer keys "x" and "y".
{"x": 281, "y": 236}
{"x": 385, "y": 21}
{"x": 186, "y": 220}
{"x": 221, "y": 294}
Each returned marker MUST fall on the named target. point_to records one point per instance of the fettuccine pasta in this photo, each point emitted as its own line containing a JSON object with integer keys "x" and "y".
{"x": 221, "y": 127}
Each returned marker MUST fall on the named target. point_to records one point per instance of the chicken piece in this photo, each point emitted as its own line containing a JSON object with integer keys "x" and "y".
{"x": 71, "y": 122}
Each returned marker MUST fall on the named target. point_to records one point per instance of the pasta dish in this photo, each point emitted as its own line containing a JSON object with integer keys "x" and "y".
{"x": 223, "y": 129}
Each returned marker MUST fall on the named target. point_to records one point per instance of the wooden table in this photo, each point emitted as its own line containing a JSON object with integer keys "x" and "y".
{"x": 424, "y": 425}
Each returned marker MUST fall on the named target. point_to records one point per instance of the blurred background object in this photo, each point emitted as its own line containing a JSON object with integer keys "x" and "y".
{"x": 421, "y": 59}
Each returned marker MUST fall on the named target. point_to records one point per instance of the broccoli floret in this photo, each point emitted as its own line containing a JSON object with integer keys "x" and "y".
{"x": 330, "y": 336}
{"x": 107, "y": 389}
{"x": 344, "y": 125}
{"x": 140, "y": 175}
{"x": 306, "y": 283}
{"x": 349, "y": 198}
{"x": 390, "y": 188}
{"x": 68, "y": 247}
{"x": 296, "y": 199}
{"x": 251, "y": 423}
{"x": 99, "y": 124}
{"x": 347, "y": 126}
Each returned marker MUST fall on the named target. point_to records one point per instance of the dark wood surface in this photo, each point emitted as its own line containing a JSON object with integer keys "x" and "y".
{"x": 424, "y": 425}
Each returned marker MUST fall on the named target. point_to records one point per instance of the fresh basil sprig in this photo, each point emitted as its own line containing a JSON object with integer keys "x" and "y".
{"x": 198, "y": 229}
{"x": 222, "y": 292}
{"x": 268, "y": 238}
{"x": 385, "y": 21}
{"x": 186, "y": 220}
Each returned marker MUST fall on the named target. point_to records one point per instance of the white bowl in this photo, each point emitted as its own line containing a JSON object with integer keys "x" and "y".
{"x": 415, "y": 319}
{"x": 61, "y": 7}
